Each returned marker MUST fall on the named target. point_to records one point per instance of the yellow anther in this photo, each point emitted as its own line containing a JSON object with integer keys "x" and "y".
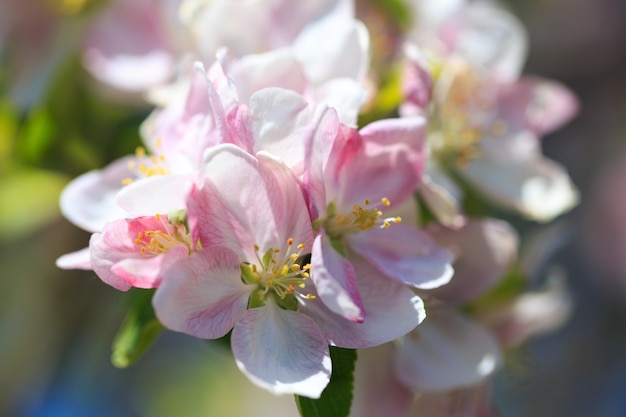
{"x": 295, "y": 267}
{"x": 305, "y": 274}
{"x": 306, "y": 267}
{"x": 127, "y": 181}
{"x": 301, "y": 246}
{"x": 140, "y": 152}
{"x": 276, "y": 250}
{"x": 397, "y": 219}
{"x": 293, "y": 256}
{"x": 310, "y": 297}
{"x": 385, "y": 201}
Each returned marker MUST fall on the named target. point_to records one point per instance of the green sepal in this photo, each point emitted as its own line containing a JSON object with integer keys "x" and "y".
{"x": 138, "y": 331}
{"x": 288, "y": 303}
{"x": 248, "y": 275}
{"x": 336, "y": 400}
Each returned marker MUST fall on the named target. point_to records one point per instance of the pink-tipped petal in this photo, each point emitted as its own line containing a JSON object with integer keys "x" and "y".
{"x": 243, "y": 201}
{"x": 335, "y": 280}
{"x": 282, "y": 351}
{"x": 392, "y": 310}
{"x": 203, "y": 295}
{"x": 148, "y": 272}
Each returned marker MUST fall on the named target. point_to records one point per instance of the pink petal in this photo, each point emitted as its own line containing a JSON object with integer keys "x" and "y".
{"x": 405, "y": 254}
{"x": 148, "y": 272}
{"x": 262, "y": 204}
{"x": 447, "y": 351}
{"x": 103, "y": 257}
{"x": 390, "y": 165}
{"x": 484, "y": 250}
{"x": 335, "y": 281}
{"x": 282, "y": 351}
{"x": 552, "y": 106}
{"x": 392, "y": 310}
{"x": 203, "y": 295}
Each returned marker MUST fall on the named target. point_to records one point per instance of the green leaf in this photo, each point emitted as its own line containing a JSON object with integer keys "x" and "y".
{"x": 139, "y": 329}
{"x": 336, "y": 399}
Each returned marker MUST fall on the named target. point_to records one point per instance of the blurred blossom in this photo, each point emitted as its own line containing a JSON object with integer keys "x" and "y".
{"x": 485, "y": 120}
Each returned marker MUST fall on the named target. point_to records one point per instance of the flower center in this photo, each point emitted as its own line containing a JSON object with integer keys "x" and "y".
{"x": 164, "y": 238}
{"x": 362, "y": 218}
{"x": 147, "y": 165}
{"x": 462, "y": 108}
{"x": 281, "y": 274}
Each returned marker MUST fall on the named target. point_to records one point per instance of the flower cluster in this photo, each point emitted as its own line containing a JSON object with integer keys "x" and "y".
{"x": 256, "y": 206}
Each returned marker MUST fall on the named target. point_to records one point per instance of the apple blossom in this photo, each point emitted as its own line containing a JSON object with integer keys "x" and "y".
{"x": 251, "y": 276}
{"x": 484, "y": 120}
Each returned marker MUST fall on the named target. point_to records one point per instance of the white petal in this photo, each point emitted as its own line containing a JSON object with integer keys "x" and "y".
{"x": 447, "y": 351}
{"x": 282, "y": 351}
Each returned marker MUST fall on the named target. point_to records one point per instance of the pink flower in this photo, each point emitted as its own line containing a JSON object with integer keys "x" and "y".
{"x": 136, "y": 252}
{"x": 252, "y": 276}
{"x": 352, "y": 177}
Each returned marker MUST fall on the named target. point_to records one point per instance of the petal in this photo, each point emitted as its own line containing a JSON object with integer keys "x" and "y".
{"x": 515, "y": 174}
{"x": 447, "y": 351}
{"x": 282, "y": 351}
{"x": 484, "y": 250}
{"x": 345, "y": 95}
{"x": 262, "y": 204}
{"x": 127, "y": 46}
{"x": 75, "y": 260}
{"x": 202, "y": 295}
{"x": 392, "y": 310}
{"x": 376, "y": 390}
{"x": 277, "y": 68}
{"x": 281, "y": 117}
{"x": 488, "y": 37}
{"x": 103, "y": 257}
{"x": 405, "y": 254}
{"x": 389, "y": 166}
{"x": 158, "y": 194}
{"x": 89, "y": 200}
{"x": 552, "y": 106}
{"x": 148, "y": 272}
{"x": 345, "y": 54}
{"x": 335, "y": 281}
{"x": 441, "y": 196}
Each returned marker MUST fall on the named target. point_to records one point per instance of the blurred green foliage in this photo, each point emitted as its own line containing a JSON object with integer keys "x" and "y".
{"x": 71, "y": 130}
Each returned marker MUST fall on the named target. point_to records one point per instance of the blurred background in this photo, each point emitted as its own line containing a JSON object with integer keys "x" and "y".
{"x": 56, "y": 326}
